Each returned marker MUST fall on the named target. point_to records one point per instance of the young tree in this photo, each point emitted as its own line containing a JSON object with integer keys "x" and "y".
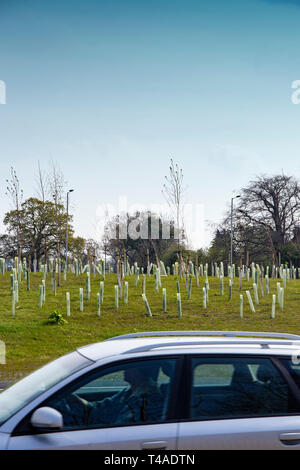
{"x": 15, "y": 194}
{"x": 42, "y": 184}
{"x": 173, "y": 192}
{"x": 57, "y": 186}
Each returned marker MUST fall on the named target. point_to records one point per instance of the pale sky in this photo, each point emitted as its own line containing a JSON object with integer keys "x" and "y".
{"x": 112, "y": 89}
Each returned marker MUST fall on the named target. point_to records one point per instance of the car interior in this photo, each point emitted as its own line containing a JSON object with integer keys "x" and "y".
{"x": 247, "y": 393}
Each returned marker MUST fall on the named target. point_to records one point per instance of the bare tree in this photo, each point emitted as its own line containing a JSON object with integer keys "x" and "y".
{"x": 57, "y": 186}
{"x": 57, "y": 183}
{"x": 15, "y": 193}
{"x": 271, "y": 207}
{"x": 42, "y": 184}
{"x": 173, "y": 193}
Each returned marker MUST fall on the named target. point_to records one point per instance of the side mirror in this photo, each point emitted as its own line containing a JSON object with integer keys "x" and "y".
{"x": 47, "y": 418}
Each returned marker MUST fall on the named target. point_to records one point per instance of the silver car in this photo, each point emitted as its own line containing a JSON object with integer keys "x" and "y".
{"x": 161, "y": 391}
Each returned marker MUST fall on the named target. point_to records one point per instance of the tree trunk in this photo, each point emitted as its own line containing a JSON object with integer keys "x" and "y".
{"x": 156, "y": 252}
{"x": 58, "y": 264}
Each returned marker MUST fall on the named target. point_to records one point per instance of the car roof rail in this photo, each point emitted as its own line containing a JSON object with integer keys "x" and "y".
{"x": 228, "y": 334}
{"x": 260, "y": 343}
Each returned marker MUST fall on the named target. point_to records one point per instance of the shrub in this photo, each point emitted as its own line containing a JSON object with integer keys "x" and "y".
{"x": 57, "y": 318}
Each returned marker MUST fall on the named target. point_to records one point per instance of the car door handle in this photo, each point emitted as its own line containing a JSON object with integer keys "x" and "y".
{"x": 159, "y": 445}
{"x": 290, "y": 438}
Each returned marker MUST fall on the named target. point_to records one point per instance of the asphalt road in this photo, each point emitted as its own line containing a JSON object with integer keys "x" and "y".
{"x": 4, "y": 385}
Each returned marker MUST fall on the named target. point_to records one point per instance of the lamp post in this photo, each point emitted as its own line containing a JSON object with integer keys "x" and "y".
{"x": 231, "y": 227}
{"x": 70, "y": 191}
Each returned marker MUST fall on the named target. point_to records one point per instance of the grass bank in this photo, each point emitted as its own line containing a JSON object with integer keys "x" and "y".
{"x": 31, "y": 339}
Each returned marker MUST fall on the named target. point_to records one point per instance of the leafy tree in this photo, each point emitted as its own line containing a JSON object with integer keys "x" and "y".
{"x": 76, "y": 247}
{"x": 8, "y": 246}
{"x": 40, "y": 225}
{"x": 132, "y": 235}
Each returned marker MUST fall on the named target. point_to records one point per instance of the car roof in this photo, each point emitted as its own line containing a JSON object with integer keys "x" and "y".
{"x": 182, "y": 342}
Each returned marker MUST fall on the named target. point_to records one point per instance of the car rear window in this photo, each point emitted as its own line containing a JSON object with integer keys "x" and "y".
{"x": 238, "y": 386}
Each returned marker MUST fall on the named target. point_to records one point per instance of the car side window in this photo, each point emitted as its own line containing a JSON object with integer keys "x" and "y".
{"x": 136, "y": 392}
{"x": 236, "y": 387}
{"x": 293, "y": 368}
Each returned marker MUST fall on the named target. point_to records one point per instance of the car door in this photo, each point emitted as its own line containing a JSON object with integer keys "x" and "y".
{"x": 239, "y": 402}
{"x": 127, "y": 405}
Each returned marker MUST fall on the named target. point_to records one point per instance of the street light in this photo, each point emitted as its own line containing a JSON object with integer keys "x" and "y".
{"x": 70, "y": 191}
{"x": 231, "y": 227}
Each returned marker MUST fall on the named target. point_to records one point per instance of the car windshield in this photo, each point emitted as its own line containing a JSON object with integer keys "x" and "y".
{"x": 23, "y": 392}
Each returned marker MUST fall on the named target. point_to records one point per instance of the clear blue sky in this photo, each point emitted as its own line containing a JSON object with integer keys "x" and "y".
{"x": 111, "y": 89}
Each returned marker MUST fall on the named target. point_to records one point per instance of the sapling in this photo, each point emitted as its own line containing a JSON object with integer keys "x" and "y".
{"x": 116, "y": 297}
{"x": 206, "y": 280}
{"x": 68, "y": 304}
{"x": 222, "y": 268}
{"x": 267, "y": 284}
{"x": 164, "y": 299}
{"x": 281, "y": 297}
{"x": 44, "y": 290}
{"x": 261, "y": 286}
{"x": 206, "y": 290}
{"x": 278, "y": 292}
{"x": 16, "y": 290}
{"x": 273, "y": 305}
{"x": 179, "y": 309}
{"x": 28, "y": 279}
{"x": 2, "y": 265}
{"x": 101, "y": 291}
{"x": 201, "y": 270}
{"x": 88, "y": 286}
{"x": 221, "y": 285}
{"x": 126, "y": 292}
{"x": 137, "y": 277}
{"x": 250, "y": 301}
{"x": 159, "y": 278}
{"x": 20, "y": 273}
{"x": 241, "y": 305}
{"x": 156, "y": 281}
{"x": 40, "y": 296}
{"x": 81, "y": 299}
{"x": 163, "y": 269}
{"x": 204, "y": 297}
{"x": 284, "y": 277}
{"x": 13, "y": 304}
{"x": 147, "y": 305}
{"x": 98, "y": 304}
{"x": 197, "y": 276}
{"x": 190, "y": 287}
{"x": 255, "y": 294}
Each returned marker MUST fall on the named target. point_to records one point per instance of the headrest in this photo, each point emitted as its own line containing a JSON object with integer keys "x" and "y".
{"x": 264, "y": 373}
{"x": 167, "y": 368}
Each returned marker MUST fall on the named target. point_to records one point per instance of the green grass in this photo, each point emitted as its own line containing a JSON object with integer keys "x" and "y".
{"x": 31, "y": 339}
